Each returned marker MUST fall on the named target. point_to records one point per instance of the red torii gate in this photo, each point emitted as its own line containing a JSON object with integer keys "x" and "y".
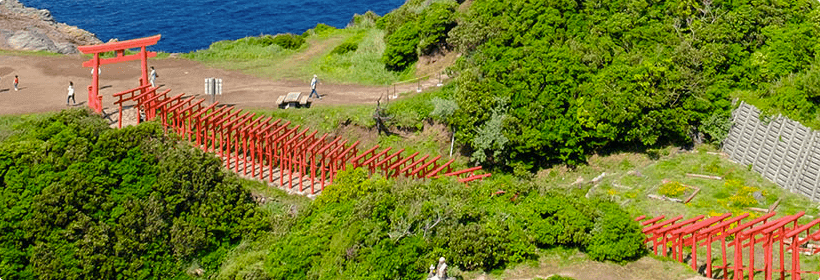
{"x": 257, "y": 144}
{"x": 94, "y": 98}
{"x": 780, "y": 239}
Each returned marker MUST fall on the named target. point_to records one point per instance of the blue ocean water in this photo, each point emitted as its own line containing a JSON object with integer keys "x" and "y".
{"x": 188, "y": 25}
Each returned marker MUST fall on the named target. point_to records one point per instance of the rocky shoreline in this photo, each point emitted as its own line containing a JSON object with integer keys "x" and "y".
{"x": 25, "y": 28}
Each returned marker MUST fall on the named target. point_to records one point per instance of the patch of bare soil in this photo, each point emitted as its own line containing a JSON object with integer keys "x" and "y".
{"x": 646, "y": 268}
{"x": 44, "y": 82}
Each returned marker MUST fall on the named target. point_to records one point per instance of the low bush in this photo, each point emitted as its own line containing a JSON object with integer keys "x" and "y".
{"x": 321, "y": 29}
{"x": 288, "y": 41}
{"x": 401, "y": 47}
{"x": 397, "y": 229}
{"x": 345, "y": 47}
{"x": 615, "y": 237}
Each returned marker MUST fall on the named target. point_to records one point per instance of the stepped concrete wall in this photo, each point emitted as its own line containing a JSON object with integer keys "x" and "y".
{"x": 780, "y": 149}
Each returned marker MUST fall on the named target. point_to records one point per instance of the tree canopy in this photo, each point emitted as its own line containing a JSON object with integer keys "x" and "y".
{"x": 542, "y": 82}
{"x": 83, "y": 201}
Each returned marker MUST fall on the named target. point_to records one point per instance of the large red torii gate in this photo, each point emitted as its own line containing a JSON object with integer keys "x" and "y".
{"x": 94, "y": 98}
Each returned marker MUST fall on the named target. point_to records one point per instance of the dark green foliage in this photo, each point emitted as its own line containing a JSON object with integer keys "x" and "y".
{"x": 434, "y": 24}
{"x": 82, "y": 201}
{"x": 584, "y": 76}
{"x": 379, "y": 229}
{"x": 400, "y": 51}
{"x": 417, "y": 28}
{"x": 615, "y": 237}
{"x": 288, "y": 41}
{"x": 345, "y": 47}
{"x": 717, "y": 126}
{"x": 320, "y": 29}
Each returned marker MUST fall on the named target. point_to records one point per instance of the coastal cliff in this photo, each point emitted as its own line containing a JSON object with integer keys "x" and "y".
{"x": 24, "y": 28}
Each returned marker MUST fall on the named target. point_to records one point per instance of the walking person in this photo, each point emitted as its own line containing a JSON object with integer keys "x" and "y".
{"x": 16, "y": 81}
{"x": 313, "y": 87}
{"x": 70, "y": 93}
{"x": 153, "y": 76}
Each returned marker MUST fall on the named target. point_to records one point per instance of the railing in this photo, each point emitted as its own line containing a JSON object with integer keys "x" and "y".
{"x": 439, "y": 77}
{"x": 778, "y": 240}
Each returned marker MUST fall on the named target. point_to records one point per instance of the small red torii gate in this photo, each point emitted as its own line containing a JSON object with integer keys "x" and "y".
{"x": 94, "y": 98}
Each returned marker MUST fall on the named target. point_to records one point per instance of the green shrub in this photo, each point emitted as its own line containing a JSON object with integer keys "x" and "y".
{"x": 83, "y": 201}
{"x": 615, "y": 237}
{"x": 559, "y": 220}
{"x": 434, "y": 24}
{"x": 345, "y": 47}
{"x": 717, "y": 126}
{"x": 288, "y": 41}
{"x": 443, "y": 109}
{"x": 321, "y": 29}
{"x": 401, "y": 47}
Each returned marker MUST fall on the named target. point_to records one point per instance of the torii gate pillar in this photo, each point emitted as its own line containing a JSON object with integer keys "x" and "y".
{"x": 94, "y": 98}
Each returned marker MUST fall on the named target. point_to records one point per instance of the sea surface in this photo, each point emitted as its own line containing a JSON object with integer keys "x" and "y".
{"x": 188, "y": 25}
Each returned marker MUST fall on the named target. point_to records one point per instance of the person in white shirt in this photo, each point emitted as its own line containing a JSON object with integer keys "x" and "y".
{"x": 313, "y": 87}
{"x": 70, "y": 93}
{"x": 153, "y": 76}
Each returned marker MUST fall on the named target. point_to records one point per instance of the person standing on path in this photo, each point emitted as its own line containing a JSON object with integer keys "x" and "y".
{"x": 16, "y": 81}
{"x": 70, "y": 93}
{"x": 313, "y": 87}
{"x": 153, "y": 76}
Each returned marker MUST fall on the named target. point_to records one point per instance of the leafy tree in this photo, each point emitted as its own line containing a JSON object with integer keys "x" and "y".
{"x": 400, "y": 51}
{"x": 580, "y": 77}
{"x": 81, "y": 200}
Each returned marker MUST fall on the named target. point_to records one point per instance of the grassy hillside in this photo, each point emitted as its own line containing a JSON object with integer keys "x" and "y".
{"x": 350, "y": 55}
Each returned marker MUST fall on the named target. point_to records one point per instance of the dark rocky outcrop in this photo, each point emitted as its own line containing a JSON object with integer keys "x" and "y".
{"x": 24, "y": 28}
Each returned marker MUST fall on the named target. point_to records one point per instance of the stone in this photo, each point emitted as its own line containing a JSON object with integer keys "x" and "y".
{"x": 758, "y": 196}
{"x": 31, "y": 40}
{"x": 67, "y": 48}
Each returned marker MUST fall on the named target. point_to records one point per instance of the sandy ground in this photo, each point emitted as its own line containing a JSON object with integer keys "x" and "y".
{"x": 44, "y": 82}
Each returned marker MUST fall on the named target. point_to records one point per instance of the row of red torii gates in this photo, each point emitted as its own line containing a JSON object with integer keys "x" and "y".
{"x": 258, "y": 146}
{"x": 739, "y": 242}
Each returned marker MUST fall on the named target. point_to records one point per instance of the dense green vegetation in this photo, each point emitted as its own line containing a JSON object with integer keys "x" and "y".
{"x": 574, "y": 77}
{"x": 83, "y": 201}
{"x": 553, "y": 82}
{"x": 376, "y": 228}
{"x": 414, "y": 30}
{"x": 548, "y": 82}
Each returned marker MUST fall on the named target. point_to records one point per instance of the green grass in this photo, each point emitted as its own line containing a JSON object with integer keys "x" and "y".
{"x": 28, "y": 53}
{"x": 362, "y": 66}
{"x": 632, "y": 177}
{"x": 325, "y": 119}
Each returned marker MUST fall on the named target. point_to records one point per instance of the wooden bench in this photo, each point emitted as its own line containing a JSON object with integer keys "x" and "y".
{"x": 293, "y": 98}
{"x": 304, "y": 101}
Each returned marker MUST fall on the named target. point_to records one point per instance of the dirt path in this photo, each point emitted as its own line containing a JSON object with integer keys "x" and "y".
{"x": 44, "y": 79}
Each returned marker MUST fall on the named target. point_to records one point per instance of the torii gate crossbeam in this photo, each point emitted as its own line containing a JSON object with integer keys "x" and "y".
{"x": 94, "y": 98}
